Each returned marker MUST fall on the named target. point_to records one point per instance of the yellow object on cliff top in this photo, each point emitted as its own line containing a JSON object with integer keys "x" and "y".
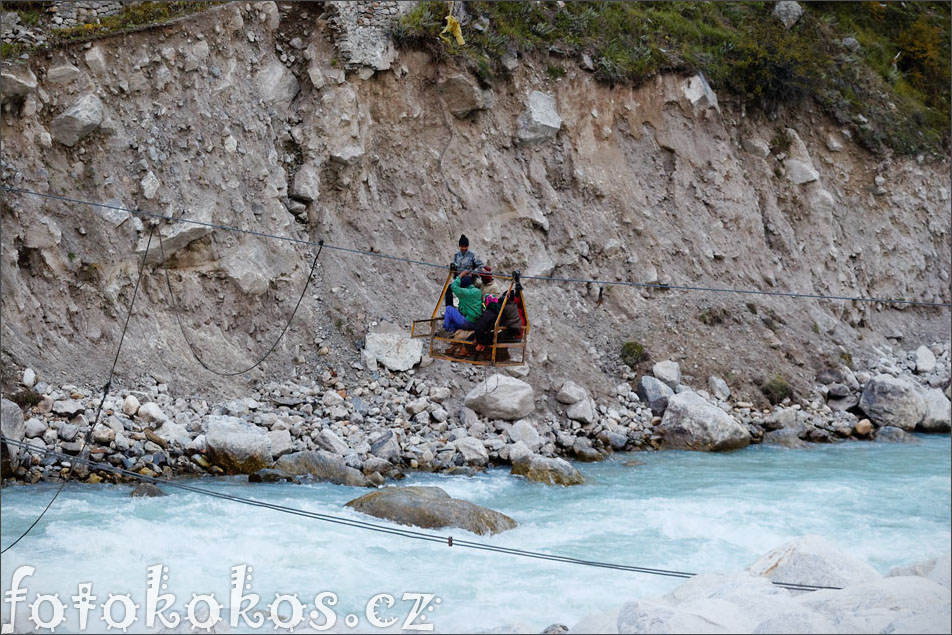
{"x": 452, "y": 25}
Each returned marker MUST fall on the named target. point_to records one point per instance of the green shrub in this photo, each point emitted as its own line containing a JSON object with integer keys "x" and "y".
{"x": 554, "y": 71}
{"x": 712, "y": 315}
{"x": 633, "y": 353}
{"x": 26, "y": 398}
{"x": 776, "y": 390}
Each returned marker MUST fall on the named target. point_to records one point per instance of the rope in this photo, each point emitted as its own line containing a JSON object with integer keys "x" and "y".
{"x": 404, "y": 533}
{"x": 191, "y": 346}
{"x": 423, "y": 263}
{"x": 105, "y": 391}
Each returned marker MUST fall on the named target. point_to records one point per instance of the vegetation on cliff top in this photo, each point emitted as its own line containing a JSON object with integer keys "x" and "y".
{"x": 882, "y": 68}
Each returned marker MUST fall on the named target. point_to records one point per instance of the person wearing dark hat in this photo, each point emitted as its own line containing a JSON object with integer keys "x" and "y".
{"x": 463, "y": 261}
{"x": 488, "y": 284}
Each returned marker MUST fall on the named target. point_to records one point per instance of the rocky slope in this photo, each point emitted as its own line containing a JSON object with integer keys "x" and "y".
{"x": 273, "y": 119}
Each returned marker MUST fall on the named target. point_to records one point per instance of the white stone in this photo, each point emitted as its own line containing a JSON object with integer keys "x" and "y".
{"x": 833, "y": 144}
{"x": 307, "y": 183}
{"x": 63, "y": 74}
{"x": 16, "y": 82}
{"x": 925, "y": 360}
{"x": 328, "y": 440}
{"x": 236, "y": 445}
{"x": 890, "y": 401}
{"x": 473, "y": 450}
{"x": 174, "y": 433}
{"x": 813, "y": 560}
{"x": 149, "y": 185}
{"x": 276, "y": 83}
{"x": 78, "y": 120}
{"x": 692, "y": 423}
{"x": 522, "y": 431}
{"x": 669, "y": 372}
{"x": 800, "y": 172}
{"x": 756, "y": 147}
{"x": 280, "y": 443}
{"x": 938, "y": 412}
{"x": 151, "y": 413}
{"x": 195, "y": 55}
{"x": 570, "y": 393}
{"x": 391, "y": 346}
{"x": 719, "y": 387}
{"x": 583, "y": 411}
{"x": 130, "y": 406}
{"x": 95, "y": 61}
{"x": 332, "y": 398}
{"x": 29, "y": 378}
{"x": 34, "y": 428}
{"x": 501, "y": 397}
{"x": 699, "y": 93}
{"x": 788, "y": 12}
{"x": 540, "y": 121}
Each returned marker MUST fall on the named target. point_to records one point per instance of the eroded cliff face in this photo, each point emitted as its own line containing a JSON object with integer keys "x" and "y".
{"x": 244, "y": 116}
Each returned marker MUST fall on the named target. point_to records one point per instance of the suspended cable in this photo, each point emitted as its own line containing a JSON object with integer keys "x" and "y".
{"x": 105, "y": 392}
{"x": 373, "y": 254}
{"x": 397, "y": 531}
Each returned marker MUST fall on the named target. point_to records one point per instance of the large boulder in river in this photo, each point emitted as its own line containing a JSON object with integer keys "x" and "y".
{"x": 13, "y": 428}
{"x": 938, "y": 414}
{"x": 691, "y": 423}
{"x": 890, "y": 401}
{"x": 552, "y": 471}
{"x": 815, "y": 561}
{"x": 238, "y": 447}
{"x": 322, "y": 466}
{"x": 431, "y": 507}
{"x": 501, "y": 397}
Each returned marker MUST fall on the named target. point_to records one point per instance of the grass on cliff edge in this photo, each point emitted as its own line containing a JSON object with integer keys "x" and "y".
{"x": 897, "y": 79}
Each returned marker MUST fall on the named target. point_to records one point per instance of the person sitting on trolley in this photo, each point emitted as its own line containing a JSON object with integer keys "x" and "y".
{"x": 490, "y": 285}
{"x": 470, "y": 305}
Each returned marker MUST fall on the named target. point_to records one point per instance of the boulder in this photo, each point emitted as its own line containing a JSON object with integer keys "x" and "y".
{"x": 788, "y": 12}
{"x": 552, "y": 471}
{"x": 16, "y": 82}
{"x": 151, "y": 414}
{"x": 800, "y": 172}
{"x": 925, "y": 360}
{"x": 78, "y": 120}
{"x": 63, "y": 74}
{"x": 518, "y": 452}
{"x": 307, "y": 183}
{"x": 892, "y": 434}
{"x": 34, "y": 428}
{"x": 655, "y": 393}
{"x": 786, "y": 437}
{"x": 669, "y": 372}
{"x": 570, "y": 393}
{"x": 391, "y": 346}
{"x": 430, "y": 508}
{"x": 813, "y": 560}
{"x": 699, "y": 93}
{"x": 462, "y": 96}
{"x": 130, "y": 406}
{"x": 938, "y": 412}
{"x": 523, "y": 431}
{"x": 276, "y": 83}
{"x": 583, "y": 411}
{"x": 328, "y": 440}
{"x": 280, "y": 443}
{"x": 147, "y": 490}
{"x": 691, "y": 423}
{"x": 238, "y": 447}
{"x": 718, "y": 388}
{"x": 937, "y": 569}
{"x": 890, "y": 401}
{"x": 501, "y": 397}
{"x": 322, "y": 466}
{"x": 68, "y": 407}
{"x": 473, "y": 451}
{"x": 386, "y": 446}
{"x": 540, "y": 121}
{"x": 29, "y": 377}
{"x": 13, "y": 428}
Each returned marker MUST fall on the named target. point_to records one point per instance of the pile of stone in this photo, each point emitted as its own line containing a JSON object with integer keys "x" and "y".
{"x": 13, "y": 31}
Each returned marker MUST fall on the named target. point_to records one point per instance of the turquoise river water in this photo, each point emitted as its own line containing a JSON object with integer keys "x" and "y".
{"x": 888, "y": 504}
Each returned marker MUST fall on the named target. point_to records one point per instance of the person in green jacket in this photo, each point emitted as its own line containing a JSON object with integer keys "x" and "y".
{"x": 470, "y": 305}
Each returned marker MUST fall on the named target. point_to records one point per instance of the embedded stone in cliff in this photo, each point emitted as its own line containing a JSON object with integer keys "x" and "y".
{"x": 16, "y": 82}
{"x": 237, "y": 446}
{"x": 276, "y": 83}
{"x": 79, "y": 120}
{"x": 788, "y": 12}
{"x": 800, "y": 172}
{"x": 890, "y": 401}
{"x": 248, "y": 268}
{"x": 833, "y": 144}
{"x": 391, "y": 346}
{"x": 149, "y": 185}
{"x": 63, "y": 74}
{"x": 339, "y": 127}
{"x": 195, "y": 55}
{"x": 697, "y": 91}
{"x": 95, "y": 61}
{"x": 307, "y": 183}
{"x": 272, "y": 18}
{"x": 431, "y": 508}
{"x": 176, "y": 236}
{"x": 501, "y": 397}
{"x": 756, "y": 147}
{"x": 691, "y": 423}
{"x": 463, "y": 96}
{"x": 540, "y": 121}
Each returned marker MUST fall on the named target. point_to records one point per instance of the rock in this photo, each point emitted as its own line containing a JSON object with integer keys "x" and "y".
{"x": 788, "y": 12}
{"x": 328, "y": 440}
{"x": 391, "y": 346}
{"x": 936, "y": 569}
{"x": 16, "y": 82}
{"x": 669, "y": 372}
{"x": 699, "y": 93}
{"x": 280, "y": 443}
{"x": 655, "y": 393}
{"x": 430, "y": 508}
{"x": 893, "y": 434}
{"x": 555, "y": 629}
{"x": 13, "y": 428}
{"x": 813, "y": 560}
{"x": 719, "y": 388}
{"x": 33, "y": 428}
{"x": 79, "y": 120}
{"x": 583, "y": 411}
{"x": 63, "y": 74}
{"x": 29, "y": 378}
{"x": 540, "y": 121}
{"x": 130, "y": 406}
{"x": 800, "y": 172}
{"x": 863, "y": 427}
{"x": 307, "y": 183}
{"x": 269, "y": 475}
{"x": 756, "y": 147}
{"x": 68, "y": 432}
{"x": 67, "y": 407}
{"x": 523, "y": 431}
{"x": 552, "y": 471}
{"x": 149, "y": 185}
{"x": 786, "y": 437}
{"x": 850, "y": 44}
{"x": 518, "y": 452}
{"x": 473, "y": 451}
{"x": 375, "y": 464}
{"x": 148, "y": 490}
{"x": 276, "y": 83}
{"x": 332, "y": 398}
{"x": 103, "y": 435}
{"x": 151, "y": 414}
{"x": 322, "y": 466}
{"x": 890, "y": 401}
{"x": 570, "y": 393}
{"x": 439, "y": 394}
{"x": 938, "y": 412}
{"x": 501, "y": 397}
{"x": 925, "y": 360}
{"x": 176, "y": 236}
{"x": 417, "y": 406}
{"x": 832, "y": 143}
{"x": 509, "y": 62}
{"x": 691, "y": 423}
{"x": 237, "y": 446}
{"x": 462, "y": 96}
{"x": 386, "y": 446}
{"x": 95, "y": 61}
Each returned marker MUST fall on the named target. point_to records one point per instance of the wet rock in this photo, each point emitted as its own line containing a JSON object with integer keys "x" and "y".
{"x": 815, "y": 559}
{"x": 430, "y": 508}
{"x": 237, "y": 446}
{"x": 551, "y": 471}
{"x": 890, "y": 401}
{"x": 691, "y": 423}
{"x": 322, "y": 466}
{"x": 147, "y": 490}
{"x": 938, "y": 412}
{"x": 863, "y": 427}
{"x": 78, "y": 121}
{"x": 501, "y": 397}
{"x": 892, "y": 434}
{"x": 269, "y": 475}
